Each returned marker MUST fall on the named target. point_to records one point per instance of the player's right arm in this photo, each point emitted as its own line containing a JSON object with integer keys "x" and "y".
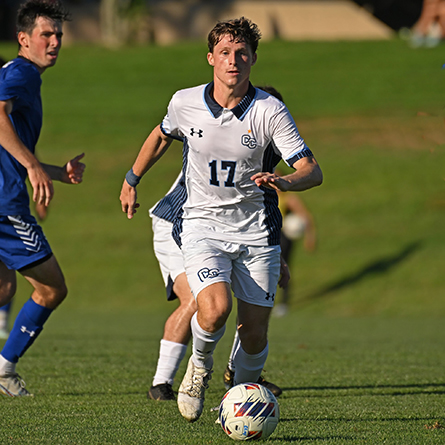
{"x": 153, "y": 148}
{"x": 41, "y": 183}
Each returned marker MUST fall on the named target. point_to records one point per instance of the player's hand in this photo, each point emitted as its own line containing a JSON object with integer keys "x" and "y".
{"x": 270, "y": 180}
{"x": 74, "y": 170}
{"x": 128, "y": 199}
{"x": 284, "y": 274}
{"x": 42, "y": 185}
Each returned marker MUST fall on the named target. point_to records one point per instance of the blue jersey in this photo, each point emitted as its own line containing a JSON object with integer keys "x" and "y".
{"x": 19, "y": 81}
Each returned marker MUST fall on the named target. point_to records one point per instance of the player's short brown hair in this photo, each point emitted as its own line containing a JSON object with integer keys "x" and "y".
{"x": 241, "y": 30}
{"x": 32, "y": 9}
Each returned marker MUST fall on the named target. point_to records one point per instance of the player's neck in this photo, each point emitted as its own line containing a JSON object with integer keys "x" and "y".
{"x": 228, "y": 96}
{"x": 22, "y": 54}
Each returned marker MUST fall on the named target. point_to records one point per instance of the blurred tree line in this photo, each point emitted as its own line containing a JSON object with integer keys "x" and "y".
{"x": 123, "y": 20}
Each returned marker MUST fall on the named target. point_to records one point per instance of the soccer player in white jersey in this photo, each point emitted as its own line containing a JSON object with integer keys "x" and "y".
{"x": 229, "y": 228}
{"x": 177, "y": 331}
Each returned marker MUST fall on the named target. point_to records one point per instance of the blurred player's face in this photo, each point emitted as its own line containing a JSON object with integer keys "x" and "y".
{"x": 43, "y": 44}
{"x": 231, "y": 61}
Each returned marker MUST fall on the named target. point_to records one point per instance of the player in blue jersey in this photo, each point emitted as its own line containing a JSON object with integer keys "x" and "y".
{"x": 6, "y": 309}
{"x": 229, "y": 227}
{"x": 23, "y": 246}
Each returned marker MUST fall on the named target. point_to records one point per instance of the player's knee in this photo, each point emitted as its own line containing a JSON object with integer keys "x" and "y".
{"x": 51, "y": 297}
{"x": 253, "y": 341}
{"x": 61, "y": 293}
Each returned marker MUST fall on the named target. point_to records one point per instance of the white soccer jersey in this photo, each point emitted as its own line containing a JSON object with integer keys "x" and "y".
{"x": 222, "y": 149}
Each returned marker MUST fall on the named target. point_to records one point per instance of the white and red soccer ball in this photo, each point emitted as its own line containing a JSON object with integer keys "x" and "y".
{"x": 249, "y": 411}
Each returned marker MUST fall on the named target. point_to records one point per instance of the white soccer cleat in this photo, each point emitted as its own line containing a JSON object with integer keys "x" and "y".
{"x": 191, "y": 392}
{"x": 12, "y": 385}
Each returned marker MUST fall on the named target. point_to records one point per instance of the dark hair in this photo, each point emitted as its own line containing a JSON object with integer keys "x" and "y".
{"x": 241, "y": 30}
{"x": 271, "y": 90}
{"x": 32, "y": 9}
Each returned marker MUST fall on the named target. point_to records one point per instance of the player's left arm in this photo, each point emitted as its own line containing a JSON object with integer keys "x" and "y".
{"x": 307, "y": 174}
{"x": 70, "y": 173}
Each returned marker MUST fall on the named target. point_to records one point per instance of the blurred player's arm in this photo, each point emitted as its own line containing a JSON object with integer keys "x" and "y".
{"x": 307, "y": 174}
{"x": 153, "y": 148}
{"x": 70, "y": 173}
{"x": 41, "y": 182}
{"x": 284, "y": 273}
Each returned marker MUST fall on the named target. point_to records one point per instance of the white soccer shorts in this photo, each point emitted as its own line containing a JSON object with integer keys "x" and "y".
{"x": 167, "y": 252}
{"x": 253, "y": 272}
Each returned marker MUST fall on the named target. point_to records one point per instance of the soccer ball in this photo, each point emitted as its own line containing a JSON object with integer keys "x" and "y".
{"x": 249, "y": 411}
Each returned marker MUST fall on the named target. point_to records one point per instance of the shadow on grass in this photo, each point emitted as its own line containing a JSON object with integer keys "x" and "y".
{"x": 380, "y": 266}
{"x": 296, "y": 439}
{"x": 377, "y": 390}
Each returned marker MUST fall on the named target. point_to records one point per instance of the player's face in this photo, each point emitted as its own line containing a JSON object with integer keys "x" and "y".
{"x": 231, "y": 61}
{"x": 43, "y": 44}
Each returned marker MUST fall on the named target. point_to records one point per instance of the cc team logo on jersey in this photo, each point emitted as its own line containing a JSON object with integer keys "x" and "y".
{"x": 199, "y": 132}
{"x": 249, "y": 140}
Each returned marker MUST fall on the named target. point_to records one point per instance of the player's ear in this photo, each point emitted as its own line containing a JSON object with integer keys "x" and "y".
{"x": 254, "y": 58}
{"x": 210, "y": 59}
{"x": 22, "y": 38}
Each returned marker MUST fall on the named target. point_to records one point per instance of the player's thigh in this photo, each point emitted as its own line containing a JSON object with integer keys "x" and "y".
{"x": 8, "y": 284}
{"x": 214, "y": 306}
{"x": 253, "y": 322}
{"x": 255, "y": 275}
{"x": 182, "y": 290}
{"x": 48, "y": 281}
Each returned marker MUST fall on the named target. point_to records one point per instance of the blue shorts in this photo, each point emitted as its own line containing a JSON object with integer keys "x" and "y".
{"x": 22, "y": 242}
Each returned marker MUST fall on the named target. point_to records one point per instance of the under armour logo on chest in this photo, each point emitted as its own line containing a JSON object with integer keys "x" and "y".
{"x": 198, "y": 132}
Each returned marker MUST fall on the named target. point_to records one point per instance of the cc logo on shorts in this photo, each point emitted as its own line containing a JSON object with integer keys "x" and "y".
{"x": 207, "y": 273}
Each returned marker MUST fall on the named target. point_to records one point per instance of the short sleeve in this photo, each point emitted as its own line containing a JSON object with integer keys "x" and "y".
{"x": 287, "y": 138}
{"x": 19, "y": 81}
{"x": 170, "y": 124}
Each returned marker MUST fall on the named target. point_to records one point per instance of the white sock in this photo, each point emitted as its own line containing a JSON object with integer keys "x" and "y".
{"x": 204, "y": 343}
{"x": 235, "y": 346}
{"x": 248, "y": 367}
{"x": 170, "y": 357}
{"x": 6, "y": 367}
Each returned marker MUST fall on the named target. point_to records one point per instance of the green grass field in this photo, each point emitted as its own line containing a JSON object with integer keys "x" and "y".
{"x": 361, "y": 354}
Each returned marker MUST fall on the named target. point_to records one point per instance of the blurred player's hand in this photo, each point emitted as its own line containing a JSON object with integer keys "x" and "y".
{"x": 284, "y": 274}
{"x": 74, "y": 170}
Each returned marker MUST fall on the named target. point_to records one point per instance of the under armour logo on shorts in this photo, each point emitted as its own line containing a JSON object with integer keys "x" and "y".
{"x": 207, "y": 273}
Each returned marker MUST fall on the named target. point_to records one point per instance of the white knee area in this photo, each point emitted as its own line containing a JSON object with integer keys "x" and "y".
{"x": 204, "y": 343}
{"x": 248, "y": 367}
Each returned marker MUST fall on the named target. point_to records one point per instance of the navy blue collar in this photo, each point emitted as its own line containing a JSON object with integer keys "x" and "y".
{"x": 239, "y": 111}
